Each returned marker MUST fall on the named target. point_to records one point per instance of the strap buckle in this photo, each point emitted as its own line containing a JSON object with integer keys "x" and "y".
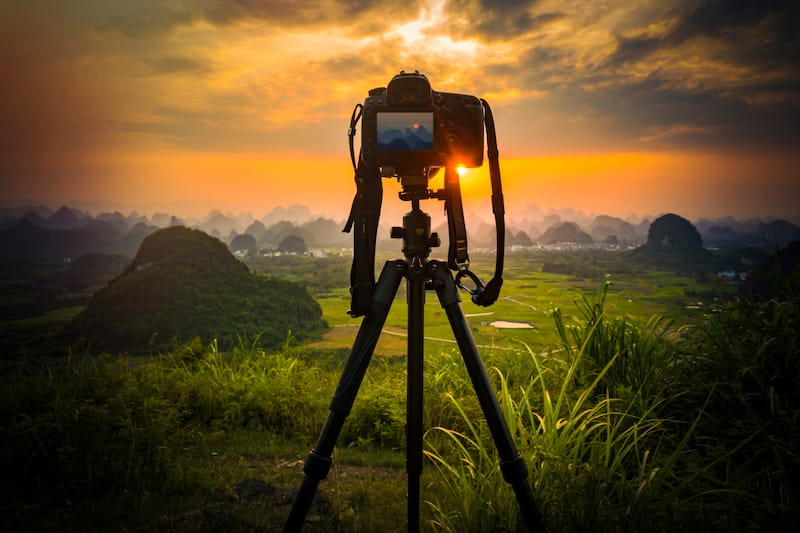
{"x": 479, "y": 286}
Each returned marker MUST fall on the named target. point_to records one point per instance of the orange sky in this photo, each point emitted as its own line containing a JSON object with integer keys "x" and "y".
{"x": 196, "y": 105}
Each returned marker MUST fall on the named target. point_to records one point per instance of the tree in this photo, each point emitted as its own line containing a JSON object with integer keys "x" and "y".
{"x": 292, "y": 244}
{"x": 244, "y": 243}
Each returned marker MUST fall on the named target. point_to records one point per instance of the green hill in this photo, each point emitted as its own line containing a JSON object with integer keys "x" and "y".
{"x": 184, "y": 283}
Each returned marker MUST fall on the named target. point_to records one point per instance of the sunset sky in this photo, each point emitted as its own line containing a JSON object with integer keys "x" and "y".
{"x": 614, "y": 107}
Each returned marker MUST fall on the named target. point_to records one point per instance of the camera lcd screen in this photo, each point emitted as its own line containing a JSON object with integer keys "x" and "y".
{"x": 405, "y": 131}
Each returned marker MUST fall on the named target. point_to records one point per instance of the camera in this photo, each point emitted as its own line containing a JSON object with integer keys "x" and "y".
{"x": 410, "y": 127}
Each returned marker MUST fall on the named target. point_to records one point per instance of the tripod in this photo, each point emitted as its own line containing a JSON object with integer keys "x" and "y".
{"x": 420, "y": 274}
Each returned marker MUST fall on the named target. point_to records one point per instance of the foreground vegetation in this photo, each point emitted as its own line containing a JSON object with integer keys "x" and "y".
{"x": 626, "y": 424}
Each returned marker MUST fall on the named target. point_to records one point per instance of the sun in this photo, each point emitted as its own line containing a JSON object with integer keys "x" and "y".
{"x": 462, "y": 171}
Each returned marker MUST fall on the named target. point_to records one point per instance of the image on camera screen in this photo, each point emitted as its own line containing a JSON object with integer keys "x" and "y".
{"x": 405, "y": 131}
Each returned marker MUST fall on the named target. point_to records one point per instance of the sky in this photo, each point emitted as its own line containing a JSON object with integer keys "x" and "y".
{"x": 613, "y": 107}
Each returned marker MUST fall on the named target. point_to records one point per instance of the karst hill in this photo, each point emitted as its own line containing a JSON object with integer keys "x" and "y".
{"x": 674, "y": 243}
{"x": 183, "y": 284}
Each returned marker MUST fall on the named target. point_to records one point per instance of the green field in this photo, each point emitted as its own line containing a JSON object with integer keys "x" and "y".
{"x": 658, "y": 402}
{"x": 528, "y": 298}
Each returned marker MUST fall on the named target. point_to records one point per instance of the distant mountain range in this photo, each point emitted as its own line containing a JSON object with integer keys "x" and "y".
{"x": 37, "y": 232}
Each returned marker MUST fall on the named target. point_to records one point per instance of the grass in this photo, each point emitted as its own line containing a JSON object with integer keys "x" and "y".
{"x": 627, "y": 422}
{"x": 588, "y": 451}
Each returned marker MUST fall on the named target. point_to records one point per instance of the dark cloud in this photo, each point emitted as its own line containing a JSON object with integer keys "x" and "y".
{"x": 497, "y": 20}
{"x": 722, "y": 74}
{"x": 761, "y": 33}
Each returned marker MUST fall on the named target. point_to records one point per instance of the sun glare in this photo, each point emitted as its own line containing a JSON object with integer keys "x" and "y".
{"x": 462, "y": 170}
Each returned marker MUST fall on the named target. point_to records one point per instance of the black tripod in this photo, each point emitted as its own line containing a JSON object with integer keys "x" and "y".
{"x": 420, "y": 274}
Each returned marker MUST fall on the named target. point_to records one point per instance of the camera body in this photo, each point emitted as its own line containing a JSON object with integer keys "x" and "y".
{"x": 411, "y": 127}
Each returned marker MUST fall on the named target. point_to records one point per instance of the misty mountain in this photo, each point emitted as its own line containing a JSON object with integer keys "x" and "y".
{"x": 279, "y": 231}
{"x": 134, "y": 218}
{"x": 564, "y": 232}
{"x": 325, "y": 231}
{"x": 27, "y": 240}
{"x": 117, "y": 220}
{"x": 36, "y": 219}
{"x": 220, "y": 223}
{"x": 18, "y": 212}
{"x": 603, "y": 227}
{"x": 29, "y": 232}
{"x": 65, "y": 218}
{"x": 256, "y": 229}
{"x": 294, "y": 213}
{"x": 728, "y": 232}
{"x": 130, "y": 242}
{"x": 160, "y": 219}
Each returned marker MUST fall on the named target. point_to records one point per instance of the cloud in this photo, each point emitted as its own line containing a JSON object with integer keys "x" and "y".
{"x": 202, "y": 73}
{"x": 729, "y": 69}
{"x": 668, "y": 74}
{"x": 494, "y": 20}
{"x": 171, "y": 64}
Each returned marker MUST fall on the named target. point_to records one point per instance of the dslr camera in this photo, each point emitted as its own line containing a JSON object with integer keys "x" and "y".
{"x": 409, "y": 127}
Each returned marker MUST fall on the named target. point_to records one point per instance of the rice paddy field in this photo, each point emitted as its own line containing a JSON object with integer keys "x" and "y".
{"x": 523, "y": 313}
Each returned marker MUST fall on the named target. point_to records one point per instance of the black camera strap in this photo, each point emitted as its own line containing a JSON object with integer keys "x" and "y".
{"x": 486, "y": 296}
{"x": 458, "y": 254}
{"x": 364, "y": 215}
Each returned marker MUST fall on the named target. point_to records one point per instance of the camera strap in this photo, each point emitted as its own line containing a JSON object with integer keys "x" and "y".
{"x": 486, "y": 296}
{"x": 458, "y": 254}
{"x": 363, "y": 221}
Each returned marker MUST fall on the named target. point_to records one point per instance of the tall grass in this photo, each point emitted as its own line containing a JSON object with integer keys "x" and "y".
{"x": 637, "y": 434}
{"x": 625, "y": 425}
{"x": 590, "y": 459}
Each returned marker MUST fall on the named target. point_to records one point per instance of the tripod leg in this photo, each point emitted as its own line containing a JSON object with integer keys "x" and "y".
{"x": 414, "y": 390}
{"x": 318, "y": 461}
{"x": 515, "y": 472}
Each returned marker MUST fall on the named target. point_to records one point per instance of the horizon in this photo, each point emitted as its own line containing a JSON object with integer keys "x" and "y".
{"x": 614, "y": 108}
{"x": 530, "y": 214}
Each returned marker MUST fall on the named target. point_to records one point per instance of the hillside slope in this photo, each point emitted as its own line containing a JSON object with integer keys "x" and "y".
{"x": 184, "y": 283}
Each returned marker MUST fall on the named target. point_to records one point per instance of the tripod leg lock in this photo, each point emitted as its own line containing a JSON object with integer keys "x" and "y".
{"x": 514, "y": 469}
{"x": 317, "y": 466}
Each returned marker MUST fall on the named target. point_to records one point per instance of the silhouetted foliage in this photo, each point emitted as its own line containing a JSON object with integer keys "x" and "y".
{"x": 292, "y": 244}
{"x": 244, "y": 243}
{"x": 776, "y": 275}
